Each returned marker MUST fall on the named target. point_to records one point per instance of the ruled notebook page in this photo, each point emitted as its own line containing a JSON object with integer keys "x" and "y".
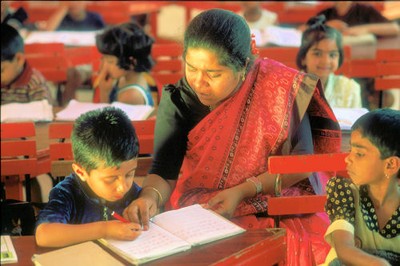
{"x": 197, "y": 225}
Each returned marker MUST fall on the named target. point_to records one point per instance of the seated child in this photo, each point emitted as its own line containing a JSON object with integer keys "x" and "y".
{"x": 354, "y": 18}
{"x": 257, "y": 17}
{"x": 126, "y": 61}
{"x": 73, "y": 16}
{"x": 365, "y": 210}
{"x": 20, "y": 83}
{"x": 105, "y": 148}
{"x": 321, "y": 54}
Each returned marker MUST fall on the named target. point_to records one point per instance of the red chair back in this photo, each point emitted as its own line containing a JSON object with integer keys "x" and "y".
{"x": 18, "y": 158}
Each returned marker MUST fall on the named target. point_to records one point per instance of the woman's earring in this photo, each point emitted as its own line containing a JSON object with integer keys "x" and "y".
{"x": 244, "y": 76}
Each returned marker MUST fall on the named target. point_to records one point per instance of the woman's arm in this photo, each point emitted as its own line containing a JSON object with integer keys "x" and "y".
{"x": 301, "y": 143}
{"x": 59, "y": 235}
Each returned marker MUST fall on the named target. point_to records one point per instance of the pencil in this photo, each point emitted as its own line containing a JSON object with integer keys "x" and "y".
{"x": 119, "y": 217}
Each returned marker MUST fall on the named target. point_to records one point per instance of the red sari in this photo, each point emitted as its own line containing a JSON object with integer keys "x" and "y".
{"x": 234, "y": 141}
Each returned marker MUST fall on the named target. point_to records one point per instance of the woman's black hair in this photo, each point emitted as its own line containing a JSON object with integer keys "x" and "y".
{"x": 130, "y": 44}
{"x": 317, "y": 31}
{"x": 225, "y": 33}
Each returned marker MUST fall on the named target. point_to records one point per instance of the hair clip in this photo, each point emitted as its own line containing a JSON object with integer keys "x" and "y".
{"x": 254, "y": 49}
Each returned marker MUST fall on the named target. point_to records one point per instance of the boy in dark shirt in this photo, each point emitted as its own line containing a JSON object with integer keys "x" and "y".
{"x": 20, "y": 83}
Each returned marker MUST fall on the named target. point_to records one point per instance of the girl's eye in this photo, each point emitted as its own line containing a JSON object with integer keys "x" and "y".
{"x": 317, "y": 53}
{"x": 333, "y": 55}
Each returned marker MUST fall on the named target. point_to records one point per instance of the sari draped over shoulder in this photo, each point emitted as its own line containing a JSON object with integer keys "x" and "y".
{"x": 233, "y": 143}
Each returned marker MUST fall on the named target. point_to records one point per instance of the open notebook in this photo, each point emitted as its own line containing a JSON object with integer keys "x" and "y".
{"x": 33, "y": 111}
{"x": 279, "y": 36}
{"x": 174, "y": 231}
{"x": 74, "y": 109}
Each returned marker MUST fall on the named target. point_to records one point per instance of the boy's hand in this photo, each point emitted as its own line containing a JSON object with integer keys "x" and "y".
{"x": 140, "y": 211}
{"x": 122, "y": 231}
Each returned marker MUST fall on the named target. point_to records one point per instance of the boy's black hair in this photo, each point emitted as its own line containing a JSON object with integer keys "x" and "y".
{"x": 11, "y": 42}
{"x": 104, "y": 138}
{"x": 381, "y": 127}
{"x": 130, "y": 44}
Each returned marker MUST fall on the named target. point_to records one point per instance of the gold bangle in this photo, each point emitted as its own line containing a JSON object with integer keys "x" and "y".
{"x": 160, "y": 198}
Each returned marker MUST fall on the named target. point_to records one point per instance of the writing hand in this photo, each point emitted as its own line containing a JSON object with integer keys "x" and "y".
{"x": 122, "y": 231}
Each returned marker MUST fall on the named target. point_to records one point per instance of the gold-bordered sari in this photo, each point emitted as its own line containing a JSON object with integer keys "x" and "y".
{"x": 233, "y": 143}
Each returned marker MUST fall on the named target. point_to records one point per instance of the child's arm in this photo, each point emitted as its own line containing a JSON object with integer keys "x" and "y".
{"x": 379, "y": 29}
{"x": 59, "y": 234}
{"x": 104, "y": 83}
{"x": 349, "y": 254}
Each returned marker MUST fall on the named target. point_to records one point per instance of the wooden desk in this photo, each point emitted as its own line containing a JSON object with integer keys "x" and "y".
{"x": 254, "y": 247}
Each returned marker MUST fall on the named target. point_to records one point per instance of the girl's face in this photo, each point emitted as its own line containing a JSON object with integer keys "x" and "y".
{"x": 364, "y": 164}
{"x": 322, "y": 59}
{"x": 110, "y": 63}
{"x": 109, "y": 183}
{"x": 211, "y": 81}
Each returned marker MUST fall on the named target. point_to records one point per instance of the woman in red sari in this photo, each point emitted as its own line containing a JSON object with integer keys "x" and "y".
{"x": 218, "y": 125}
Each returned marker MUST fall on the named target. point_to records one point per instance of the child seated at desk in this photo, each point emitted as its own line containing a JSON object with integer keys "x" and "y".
{"x": 126, "y": 61}
{"x": 365, "y": 210}
{"x": 20, "y": 83}
{"x": 105, "y": 148}
{"x": 321, "y": 53}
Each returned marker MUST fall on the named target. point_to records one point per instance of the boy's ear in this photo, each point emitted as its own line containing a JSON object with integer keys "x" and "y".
{"x": 79, "y": 171}
{"x": 393, "y": 164}
{"x": 20, "y": 57}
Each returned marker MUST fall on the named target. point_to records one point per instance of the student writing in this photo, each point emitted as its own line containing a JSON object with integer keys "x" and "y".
{"x": 105, "y": 149}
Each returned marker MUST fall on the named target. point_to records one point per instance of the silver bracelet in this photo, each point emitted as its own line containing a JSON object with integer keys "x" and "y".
{"x": 257, "y": 183}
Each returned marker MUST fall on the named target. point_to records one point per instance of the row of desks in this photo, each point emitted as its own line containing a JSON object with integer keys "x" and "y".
{"x": 254, "y": 247}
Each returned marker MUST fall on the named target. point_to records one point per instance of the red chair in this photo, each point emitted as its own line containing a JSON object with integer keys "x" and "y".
{"x": 332, "y": 163}
{"x": 51, "y": 61}
{"x": 285, "y": 55}
{"x": 388, "y": 71}
{"x": 169, "y": 66}
{"x": 18, "y": 158}
{"x": 32, "y": 49}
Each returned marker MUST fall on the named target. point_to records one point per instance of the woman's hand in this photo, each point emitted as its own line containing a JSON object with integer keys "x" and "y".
{"x": 226, "y": 201}
{"x": 141, "y": 210}
{"x": 122, "y": 231}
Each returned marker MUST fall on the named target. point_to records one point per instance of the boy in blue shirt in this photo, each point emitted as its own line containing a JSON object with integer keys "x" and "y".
{"x": 105, "y": 149}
